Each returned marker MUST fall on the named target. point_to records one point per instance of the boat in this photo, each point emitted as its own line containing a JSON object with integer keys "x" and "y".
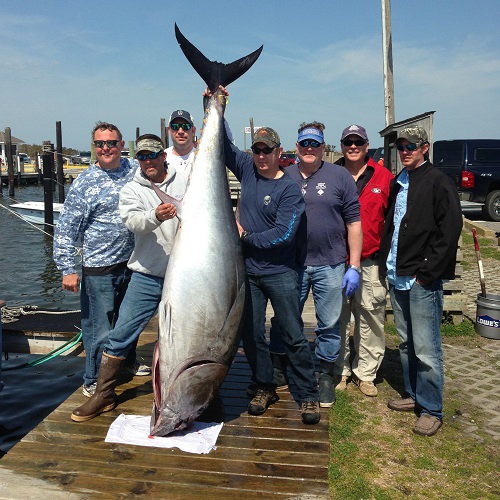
{"x": 34, "y": 211}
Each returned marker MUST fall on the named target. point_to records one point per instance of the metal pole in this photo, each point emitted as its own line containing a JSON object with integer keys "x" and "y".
{"x": 10, "y": 163}
{"x": 388, "y": 67}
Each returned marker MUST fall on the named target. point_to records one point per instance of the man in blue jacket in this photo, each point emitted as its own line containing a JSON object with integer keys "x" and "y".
{"x": 271, "y": 206}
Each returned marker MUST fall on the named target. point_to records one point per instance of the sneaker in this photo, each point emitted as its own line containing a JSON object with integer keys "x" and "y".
{"x": 280, "y": 380}
{"x": 88, "y": 390}
{"x": 342, "y": 384}
{"x": 138, "y": 370}
{"x": 406, "y": 404}
{"x": 326, "y": 391}
{"x": 427, "y": 425}
{"x": 310, "y": 412}
{"x": 262, "y": 399}
{"x": 367, "y": 387}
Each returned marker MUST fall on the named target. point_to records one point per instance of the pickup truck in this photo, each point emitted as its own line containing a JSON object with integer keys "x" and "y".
{"x": 474, "y": 166}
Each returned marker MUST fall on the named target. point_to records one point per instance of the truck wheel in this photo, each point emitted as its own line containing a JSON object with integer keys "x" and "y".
{"x": 491, "y": 208}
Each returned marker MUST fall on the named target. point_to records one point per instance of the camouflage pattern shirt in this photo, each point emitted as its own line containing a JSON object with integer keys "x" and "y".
{"x": 90, "y": 216}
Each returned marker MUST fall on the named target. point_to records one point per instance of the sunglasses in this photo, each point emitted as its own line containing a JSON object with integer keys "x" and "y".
{"x": 310, "y": 143}
{"x": 151, "y": 156}
{"x": 357, "y": 142}
{"x": 267, "y": 150}
{"x": 110, "y": 144}
{"x": 408, "y": 147}
{"x": 183, "y": 126}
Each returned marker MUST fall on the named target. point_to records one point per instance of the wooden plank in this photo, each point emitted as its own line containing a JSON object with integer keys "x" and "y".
{"x": 270, "y": 456}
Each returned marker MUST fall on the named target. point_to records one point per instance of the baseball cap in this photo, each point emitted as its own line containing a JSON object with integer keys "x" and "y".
{"x": 415, "y": 134}
{"x": 311, "y": 133}
{"x": 180, "y": 113}
{"x": 149, "y": 145}
{"x": 354, "y": 130}
{"x": 268, "y": 136}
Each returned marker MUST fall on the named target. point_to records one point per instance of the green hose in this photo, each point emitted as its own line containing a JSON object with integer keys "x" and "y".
{"x": 51, "y": 355}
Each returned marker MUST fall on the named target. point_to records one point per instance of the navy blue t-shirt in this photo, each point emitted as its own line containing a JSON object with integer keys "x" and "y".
{"x": 331, "y": 202}
{"x": 270, "y": 209}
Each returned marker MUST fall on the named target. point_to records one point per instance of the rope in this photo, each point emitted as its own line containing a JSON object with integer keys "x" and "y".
{"x": 11, "y": 314}
{"x": 51, "y": 355}
{"x": 13, "y": 212}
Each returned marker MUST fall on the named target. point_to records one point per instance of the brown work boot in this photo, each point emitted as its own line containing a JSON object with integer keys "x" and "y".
{"x": 310, "y": 412}
{"x": 103, "y": 398}
{"x": 406, "y": 404}
{"x": 262, "y": 400}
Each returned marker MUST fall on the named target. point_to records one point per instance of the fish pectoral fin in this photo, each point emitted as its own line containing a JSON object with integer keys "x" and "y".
{"x": 156, "y": 376}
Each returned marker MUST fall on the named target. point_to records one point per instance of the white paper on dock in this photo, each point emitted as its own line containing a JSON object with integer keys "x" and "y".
{"x": 199, "y": 437}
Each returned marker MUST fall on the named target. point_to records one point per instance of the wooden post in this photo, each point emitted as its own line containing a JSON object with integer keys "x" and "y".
{"x": 163, "y": 130}
{"x": 10, "y": 163}
{"x": 48, "y": 169}
{"x": 388, "y": 67}
{"x": 59, "y": 163}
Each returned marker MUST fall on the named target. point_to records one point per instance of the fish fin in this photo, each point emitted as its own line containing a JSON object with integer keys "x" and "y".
{"x": 156, "y": 378}
{"x": 166, "y": 198}
{"x": 215, "y": 73}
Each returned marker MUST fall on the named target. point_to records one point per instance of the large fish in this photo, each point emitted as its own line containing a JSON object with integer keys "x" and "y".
{"x": 202, "y": 305}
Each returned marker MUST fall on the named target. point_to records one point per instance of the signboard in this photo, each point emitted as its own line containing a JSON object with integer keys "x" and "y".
{"x": 247, "y": 129}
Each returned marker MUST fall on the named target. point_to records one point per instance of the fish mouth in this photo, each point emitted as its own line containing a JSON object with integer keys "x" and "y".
{"x": 187, "y": 395}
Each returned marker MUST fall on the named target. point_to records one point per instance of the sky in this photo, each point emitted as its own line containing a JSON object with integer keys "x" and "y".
{"x": 79, "y": 62}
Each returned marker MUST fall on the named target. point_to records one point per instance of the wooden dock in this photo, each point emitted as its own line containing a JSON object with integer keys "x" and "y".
{"x": 271, "y": 456}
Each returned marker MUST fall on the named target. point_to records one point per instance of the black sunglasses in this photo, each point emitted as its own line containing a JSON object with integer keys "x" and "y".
{"x": 183, "y": 126}
{"x": 310, "y": 143}
{"x": 409, "y": 147}
{"x": 151, "y": 156}
{"x": 110, "y": 144}
{"x": 267, "y": 150}
{"x": 357, "y": 142}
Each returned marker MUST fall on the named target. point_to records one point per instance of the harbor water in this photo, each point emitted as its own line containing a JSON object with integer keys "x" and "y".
{"x": 28, "y": 275}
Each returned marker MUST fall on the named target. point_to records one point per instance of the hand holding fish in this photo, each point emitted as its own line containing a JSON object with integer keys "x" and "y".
{"x": 208, "y": 93}
{"x": 165, "y": 211}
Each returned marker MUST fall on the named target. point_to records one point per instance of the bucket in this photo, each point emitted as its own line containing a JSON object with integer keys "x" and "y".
{"x": 488, "y": 316}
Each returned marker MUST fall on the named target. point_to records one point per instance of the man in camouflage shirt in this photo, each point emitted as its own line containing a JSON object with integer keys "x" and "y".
{"x": 90, "y": 216}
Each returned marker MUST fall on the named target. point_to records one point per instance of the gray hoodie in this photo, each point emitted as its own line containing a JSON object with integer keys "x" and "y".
{"x": 153, "y": 238}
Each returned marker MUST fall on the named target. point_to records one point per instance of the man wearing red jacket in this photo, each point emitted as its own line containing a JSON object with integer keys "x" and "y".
{"x": 367, "y": 305}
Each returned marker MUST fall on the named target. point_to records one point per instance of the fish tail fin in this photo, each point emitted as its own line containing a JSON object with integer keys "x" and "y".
{"x": 215, "y": 73}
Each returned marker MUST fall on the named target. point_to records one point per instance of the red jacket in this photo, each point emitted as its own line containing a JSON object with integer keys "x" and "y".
{"x": 373, "y": 200}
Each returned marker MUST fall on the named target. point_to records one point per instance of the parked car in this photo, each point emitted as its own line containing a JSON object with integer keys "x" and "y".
{"x": 474, "y": 167}
{"x": 85, "y": 157}
{"x": 287, "y": 159}
{"x": 24, "y": 158}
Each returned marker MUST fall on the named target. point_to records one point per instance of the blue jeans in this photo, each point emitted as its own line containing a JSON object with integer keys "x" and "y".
{"x": 100, "y": 300}
{"x": 417, "y": 314}
{"x": 138, "y": 307}
{"x": 282, "y": 290}
{"x": 326, "y": 285}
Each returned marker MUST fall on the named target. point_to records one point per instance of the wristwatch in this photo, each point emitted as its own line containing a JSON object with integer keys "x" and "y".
{"x": 357, "y": 269}
{"x": 244, "y": 234}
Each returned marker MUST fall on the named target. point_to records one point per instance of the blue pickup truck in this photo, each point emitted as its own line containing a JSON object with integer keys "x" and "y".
{"x": 474, "y": 166}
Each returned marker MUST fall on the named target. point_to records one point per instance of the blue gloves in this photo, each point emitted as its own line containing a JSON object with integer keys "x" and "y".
{"x": 350, "y": 282}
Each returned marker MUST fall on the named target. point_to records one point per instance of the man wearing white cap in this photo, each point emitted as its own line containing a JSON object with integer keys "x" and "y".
{"x": 183, "y": 134}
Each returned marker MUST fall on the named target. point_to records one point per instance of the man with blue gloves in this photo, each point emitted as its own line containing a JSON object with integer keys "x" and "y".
{"x": 330, "y": 224}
